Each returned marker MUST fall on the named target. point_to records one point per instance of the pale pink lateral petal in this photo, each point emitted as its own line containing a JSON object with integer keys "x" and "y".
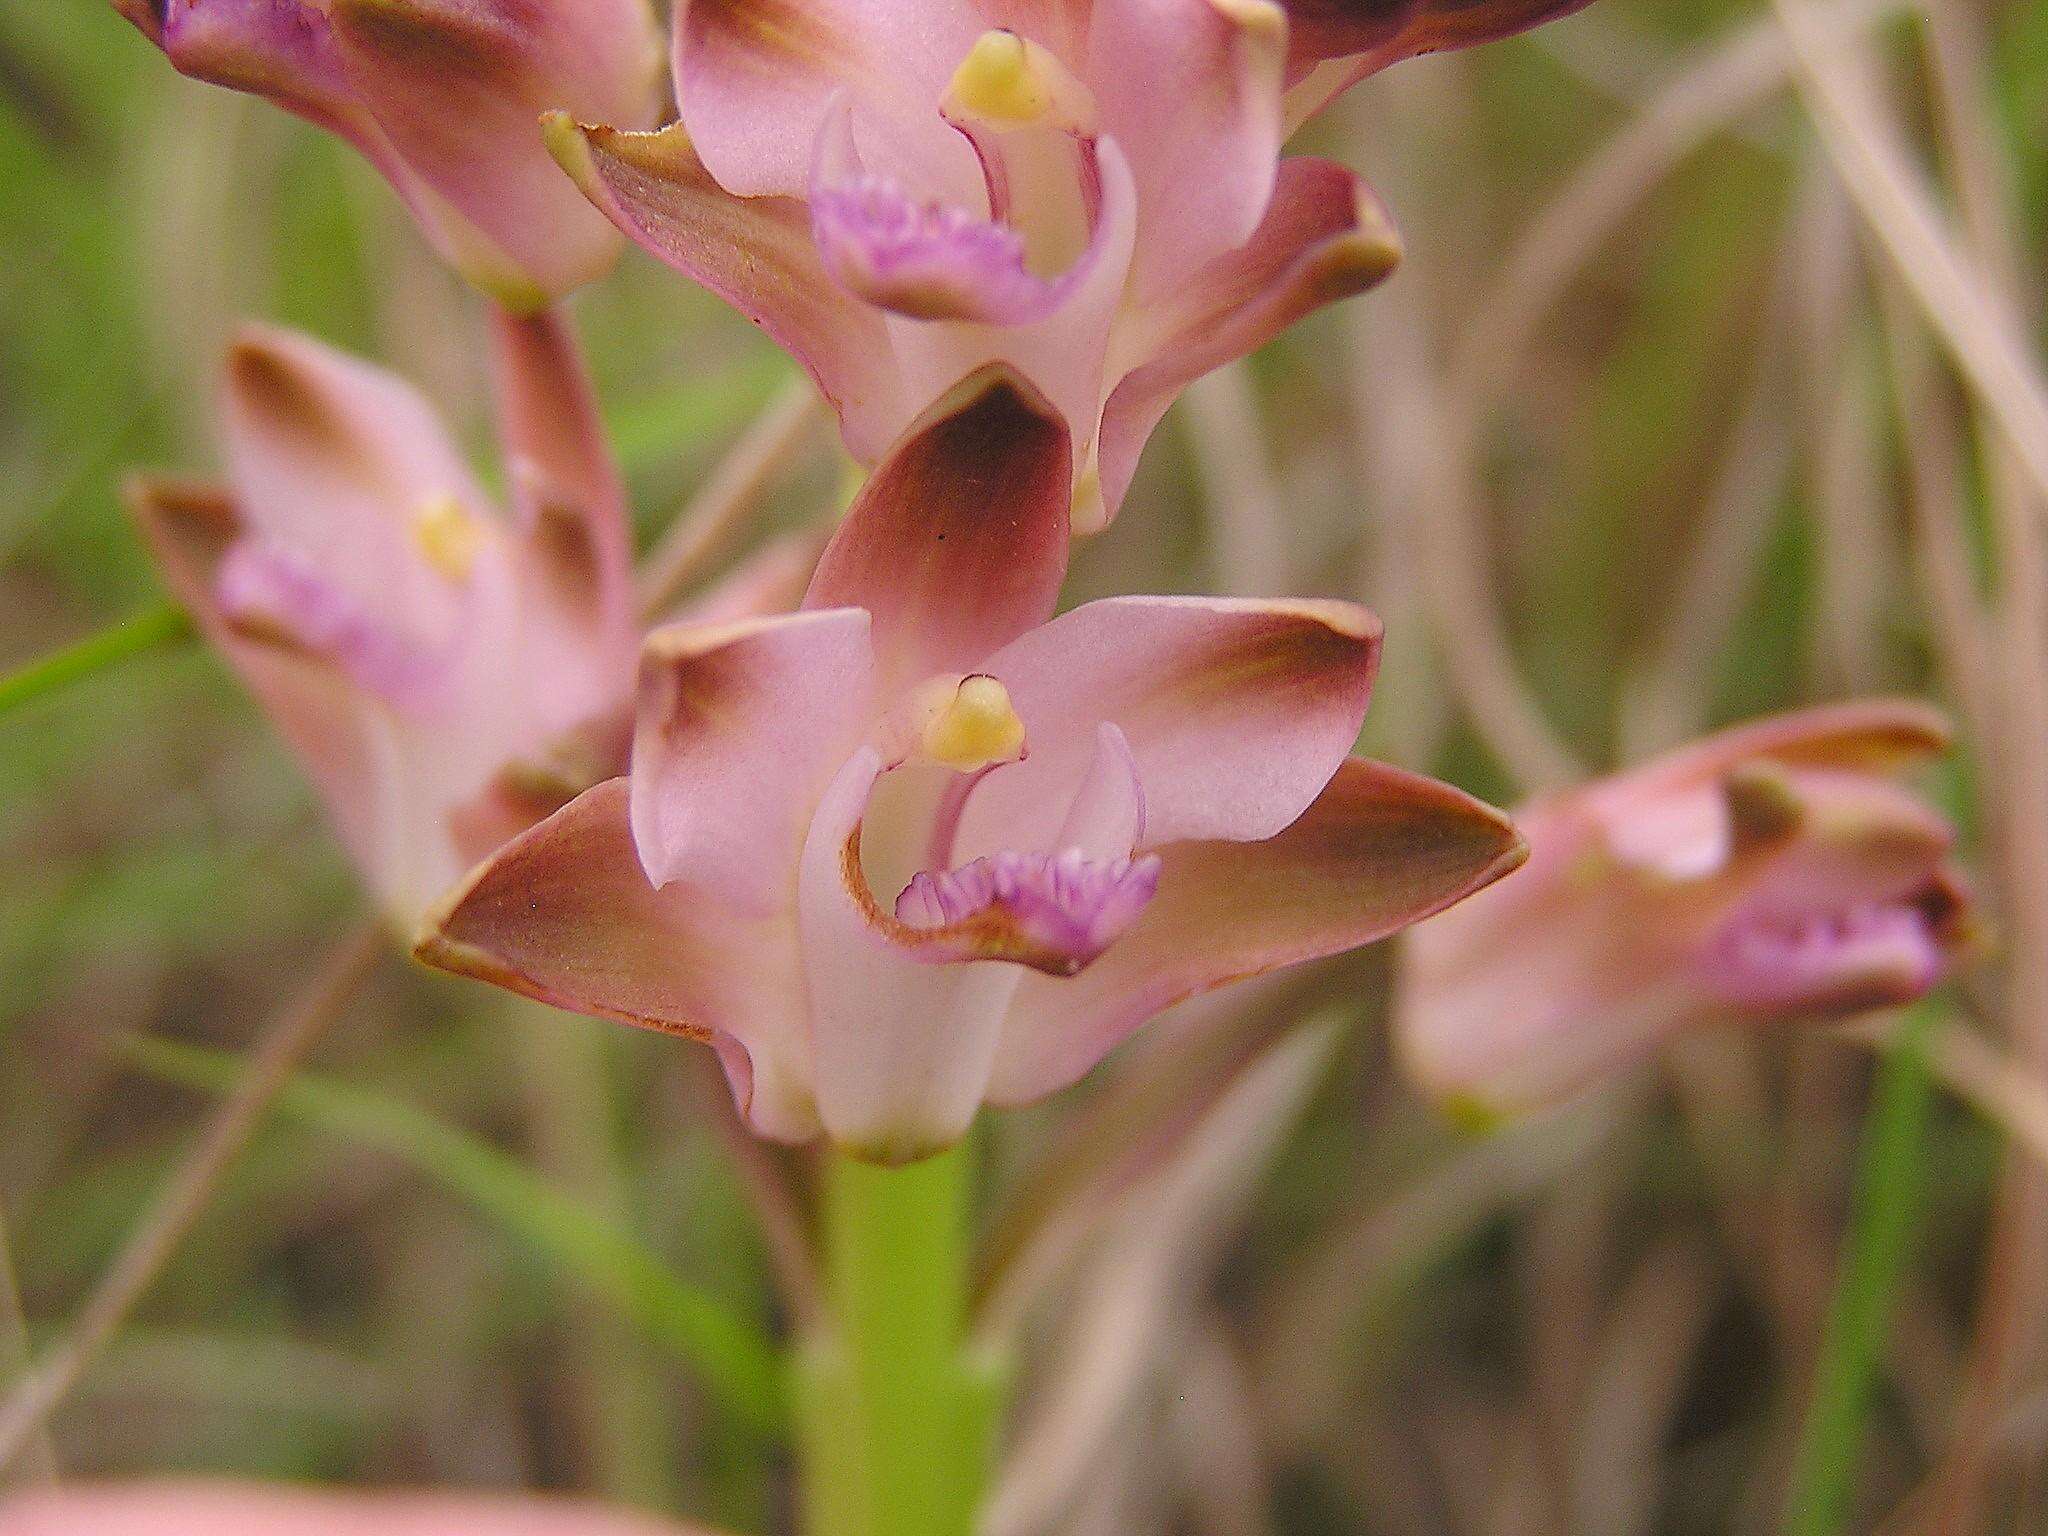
{"x": 334, "y": 460}
{"x": 227, "y": 1509}
{"x": 755, "y": 78}
{"x": 739, "y": 727}
{"x": 1108, "y": 817}
{"x": 958, "y": 541}
{"x": 901, "y": 1049}
{"x": 565, "y": 914}
{"x": 756, "y": 253}
{"x": 1202, "y": 131}
{"x": 1237, "y": 713}
{"x": 458, "y": 87}
{"x": 1380, "y": 849}
{"x": 1326, "y": 236}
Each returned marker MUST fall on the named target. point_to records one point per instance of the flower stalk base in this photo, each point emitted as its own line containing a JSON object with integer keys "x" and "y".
{"x": 897, "y": 1417}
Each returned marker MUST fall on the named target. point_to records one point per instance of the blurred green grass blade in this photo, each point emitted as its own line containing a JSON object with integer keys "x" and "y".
{"x": 1889, "y": 1180}
{"x": 150, "y": 630}
{"x": 734, "y": 1361}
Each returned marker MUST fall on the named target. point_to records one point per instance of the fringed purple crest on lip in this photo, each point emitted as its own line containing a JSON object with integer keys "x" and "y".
{"x": 1865, "y": 956}
{"x": 277, "y": 596}
{"x": 1055, "y": 912}
{"x": 929, "y": 261}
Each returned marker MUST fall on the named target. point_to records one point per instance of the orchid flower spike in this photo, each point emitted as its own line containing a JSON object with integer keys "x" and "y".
{"x": 1770, "y": 873}
{"x": 443, "y": 672}
{"x": 444, "y": 98}
{"x": 1090, "y": 191}
{"x": 227, "y": 1509}
{"x": 920, "y": 845}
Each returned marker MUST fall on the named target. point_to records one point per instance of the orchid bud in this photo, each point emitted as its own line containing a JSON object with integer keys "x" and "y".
{"x": 1771, "y": 874}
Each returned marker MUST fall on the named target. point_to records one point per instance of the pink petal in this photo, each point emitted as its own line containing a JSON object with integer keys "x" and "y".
{"x": 739, "y": 728}
{"x": 1388, "y": 30}
{"x": 972, "y": 500}
{"x": 566, "y": 915}
{"x": 1237, "y": 713}
{"x": 756, "y": 253}
{"x": 1379, "y": 849}
{"x": 1875, "y": 954}
{"x": 1545, "y": 982}
{"x": 277, "y": 596}
{"x": 347, "y": 741}
{"x": 902, "y": 1050}
{"x": 224, "y": 1509}
{"x": 1326, "y": 236}
{"x": 548, "y": 419}
{"x": 1202, "y": 130}
{"x": 1672, "y": 815}
{"x": 928, "y": 261}
{"x": 1065, "y": 355}
{"x": 458, "y": 86}
{"x": 1711, "y": 885}
{"x": 332, "y": 459}
{"x": 580, "y": 609}
{"x": 755, "y": 78}
{"x": 281, "y": 49}
{"x": 1055, "y": 910}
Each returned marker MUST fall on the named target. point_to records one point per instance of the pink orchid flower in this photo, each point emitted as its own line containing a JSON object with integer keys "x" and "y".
{"x": 1091, "y": 191}
{"x": 226, "y": 1509}
{"x": 921, "y": 845}
{"x": 1769, "y": 873}
{"x": 443, "y": 672}
{"x": 444, "y": 98}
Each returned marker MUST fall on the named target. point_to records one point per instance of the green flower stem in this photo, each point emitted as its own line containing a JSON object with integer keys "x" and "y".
{"x": 147, "y": 631}
{"x": 1889, "y": 1180}
{"x": 897, "y": 1418}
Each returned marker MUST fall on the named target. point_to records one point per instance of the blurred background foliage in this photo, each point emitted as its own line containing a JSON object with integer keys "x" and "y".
{"x": 1526, "y": 1337}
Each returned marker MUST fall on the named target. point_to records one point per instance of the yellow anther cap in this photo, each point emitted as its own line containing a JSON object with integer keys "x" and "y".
{"x": 448, "y": 536}
{"x": 1011, "y": 82}
{"x": 978, "y": 726}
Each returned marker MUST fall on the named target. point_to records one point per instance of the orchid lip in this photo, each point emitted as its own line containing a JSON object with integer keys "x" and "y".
{"x": 272, "y": 594}
{"x": 1836, "y": 961}
{"x": 926, "y": 260}
{"x": 1053, "y": 912}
